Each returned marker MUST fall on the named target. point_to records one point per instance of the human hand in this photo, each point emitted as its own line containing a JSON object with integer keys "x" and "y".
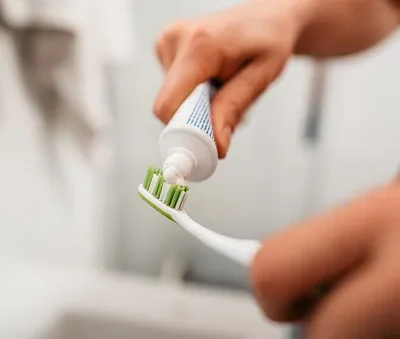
{"x": 244, "y": 48}
{"x": 355, "y": 250}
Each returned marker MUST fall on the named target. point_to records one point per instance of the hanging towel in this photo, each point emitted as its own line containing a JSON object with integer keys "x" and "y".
{"x": 64, "y": 47}
{"x": 54, "y": 54}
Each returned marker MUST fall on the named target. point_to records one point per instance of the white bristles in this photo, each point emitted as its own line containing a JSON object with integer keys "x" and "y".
{"x": 163, "y": 190}
{"x": 153, "y": 183}
{"x": 185, "y": 196}
{"x": 166, "y": 190}
{"x": 179, "y": 202}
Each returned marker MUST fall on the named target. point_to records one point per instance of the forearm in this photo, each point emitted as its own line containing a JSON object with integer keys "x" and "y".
{"x": 341, "y": 27}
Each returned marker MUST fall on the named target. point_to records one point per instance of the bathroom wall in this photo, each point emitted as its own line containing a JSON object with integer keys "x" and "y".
{"x": 360, "y": 133}
{"x": 256, "y": 191}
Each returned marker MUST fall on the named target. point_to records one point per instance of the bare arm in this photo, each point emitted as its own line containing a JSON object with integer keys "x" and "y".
{"x": 341, "y": 27}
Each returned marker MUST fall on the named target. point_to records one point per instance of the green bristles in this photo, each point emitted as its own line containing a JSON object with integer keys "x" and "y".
{"x": 155, "y": 184}
{"x": 170, "y": 195}
{"x": 147, "y": 179}
{"x": 159, "y": 186}
{"x": 175, "y": 198}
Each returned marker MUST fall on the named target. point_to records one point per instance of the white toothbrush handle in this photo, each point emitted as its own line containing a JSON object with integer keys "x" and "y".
{"x": 240, "y": 250}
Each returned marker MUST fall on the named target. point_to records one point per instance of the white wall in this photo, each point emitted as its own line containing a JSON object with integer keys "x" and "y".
{"x": 258, "y": 189}
{"x": 361, "y": 137}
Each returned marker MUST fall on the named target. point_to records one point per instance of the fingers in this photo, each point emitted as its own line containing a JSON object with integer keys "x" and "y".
{"x": 235, "y": 97}
{"x": 198, "y": 59}
{"x": 365, "y": 305}
{"x": 293, "y": 263}
{"x": 195, "y": 52}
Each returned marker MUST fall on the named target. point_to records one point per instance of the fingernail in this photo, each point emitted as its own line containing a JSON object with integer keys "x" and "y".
{"x": 224, "y": 140}
{"x": 226, "y": 134}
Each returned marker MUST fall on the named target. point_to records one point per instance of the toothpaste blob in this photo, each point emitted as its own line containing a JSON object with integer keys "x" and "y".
{"x": 173, "y": 175}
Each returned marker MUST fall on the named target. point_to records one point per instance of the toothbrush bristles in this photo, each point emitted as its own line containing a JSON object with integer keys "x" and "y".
{"x": 174, "y": 196}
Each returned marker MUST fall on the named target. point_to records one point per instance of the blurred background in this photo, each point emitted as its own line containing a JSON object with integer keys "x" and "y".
{"x": 81, "y": 255}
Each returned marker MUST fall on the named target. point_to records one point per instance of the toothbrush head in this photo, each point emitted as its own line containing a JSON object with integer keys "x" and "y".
{"x": 160, "y": 195}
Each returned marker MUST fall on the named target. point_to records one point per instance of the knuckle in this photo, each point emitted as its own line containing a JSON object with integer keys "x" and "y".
{"x": 173, "y": 30}
{"x": 201, "y": 42}
{"x": 202, "y": 49}
{"x": 169, "y": 34}
{"x": 161, "y": 109}
{"x": 200, "y": 35}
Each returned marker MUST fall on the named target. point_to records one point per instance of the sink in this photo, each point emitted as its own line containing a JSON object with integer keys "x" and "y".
{"x": 79, "y": 326}
{"x": 47, "y": 302}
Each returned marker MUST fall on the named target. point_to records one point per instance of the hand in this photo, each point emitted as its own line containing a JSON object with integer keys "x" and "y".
{"x": 245, "y": 48}
{"x": 355, "y": 250}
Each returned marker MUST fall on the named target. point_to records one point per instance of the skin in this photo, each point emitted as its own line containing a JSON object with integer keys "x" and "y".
{"x": 353, "y": 249}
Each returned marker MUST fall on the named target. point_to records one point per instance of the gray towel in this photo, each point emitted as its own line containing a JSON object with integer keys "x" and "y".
{"x": 48, "y": 70}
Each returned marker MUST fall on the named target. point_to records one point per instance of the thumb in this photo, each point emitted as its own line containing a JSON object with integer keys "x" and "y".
{"x": 236, "y": 96}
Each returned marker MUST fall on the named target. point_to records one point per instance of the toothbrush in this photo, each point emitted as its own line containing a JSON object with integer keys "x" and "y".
{"x": 169, "y": 200}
